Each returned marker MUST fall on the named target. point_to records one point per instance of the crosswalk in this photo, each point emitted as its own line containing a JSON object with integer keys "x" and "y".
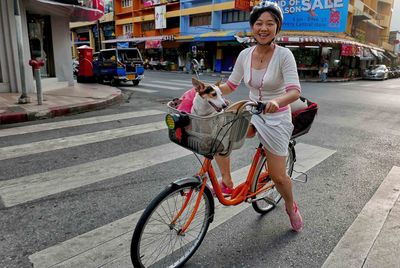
{"x": 147, "y": 86}
{"x": 107, "y": 245}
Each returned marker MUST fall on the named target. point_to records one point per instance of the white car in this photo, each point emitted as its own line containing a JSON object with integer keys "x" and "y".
{"x": 376, "y": 72}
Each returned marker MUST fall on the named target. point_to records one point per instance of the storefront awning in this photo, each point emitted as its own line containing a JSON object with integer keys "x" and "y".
{"x": 213, "y": 36}
{"x": 93, "y": 10}
{"x": 140, "y": 39}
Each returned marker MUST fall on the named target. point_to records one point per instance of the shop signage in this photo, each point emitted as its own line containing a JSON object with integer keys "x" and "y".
{"x": 316, "y": 15}
{"x": 242, "y": 5}
{"x": 152, "y": 44}
{"x": 350, "y": 51}
{"x": 161, "y": 21}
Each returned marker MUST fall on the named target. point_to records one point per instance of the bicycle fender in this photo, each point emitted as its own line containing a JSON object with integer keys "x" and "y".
{"x": 195, "y": 181}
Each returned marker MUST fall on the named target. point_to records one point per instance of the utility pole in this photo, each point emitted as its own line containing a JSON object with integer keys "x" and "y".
{"x": 23, "y": 99}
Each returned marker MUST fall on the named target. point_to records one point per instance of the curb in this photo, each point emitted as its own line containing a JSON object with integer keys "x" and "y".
{"x": 18, "y": 117}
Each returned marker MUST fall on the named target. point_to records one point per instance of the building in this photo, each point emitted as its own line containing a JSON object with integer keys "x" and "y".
{"x": 42, "y": 26}
{"x": 92, "y": 33}
{"x": 351, "y": 34}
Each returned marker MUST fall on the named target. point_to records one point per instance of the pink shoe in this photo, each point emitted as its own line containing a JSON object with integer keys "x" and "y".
{"x": 225, "y": 189}
{"x": 295, "y": 218}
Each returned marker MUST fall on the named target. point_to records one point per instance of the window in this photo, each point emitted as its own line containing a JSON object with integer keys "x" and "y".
{"x": 173, "y": 22}
{"x": 148, "y": 26}
{"x": 231, "y": 16}
{"x": 127, "y": 29}
{"x": 200, "y": 19}
{"x": 126, "y": 3}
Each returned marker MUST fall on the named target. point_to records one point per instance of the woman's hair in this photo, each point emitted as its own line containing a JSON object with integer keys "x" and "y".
{"x": 270, "y": 7}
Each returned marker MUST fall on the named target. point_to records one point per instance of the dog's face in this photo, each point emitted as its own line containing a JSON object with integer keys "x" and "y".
{"x": 211, "y": 93}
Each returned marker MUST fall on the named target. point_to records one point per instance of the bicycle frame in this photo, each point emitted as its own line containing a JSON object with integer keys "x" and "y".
{"x": 239, "y": 196}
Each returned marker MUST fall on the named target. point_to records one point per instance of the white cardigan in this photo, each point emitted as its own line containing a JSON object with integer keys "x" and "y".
{"x": 280, "y": 76}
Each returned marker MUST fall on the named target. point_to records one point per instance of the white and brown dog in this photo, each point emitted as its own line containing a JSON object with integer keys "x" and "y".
{"x": 208, "y": 98}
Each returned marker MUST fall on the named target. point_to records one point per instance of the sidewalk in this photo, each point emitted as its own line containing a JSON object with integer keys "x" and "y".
{"x": 68, "y": 100}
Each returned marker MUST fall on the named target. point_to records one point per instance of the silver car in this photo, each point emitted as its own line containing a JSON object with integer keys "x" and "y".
{"x": 376, "y": 72}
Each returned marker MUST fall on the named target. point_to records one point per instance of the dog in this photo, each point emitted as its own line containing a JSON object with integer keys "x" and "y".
{"x": 208, "y": 98}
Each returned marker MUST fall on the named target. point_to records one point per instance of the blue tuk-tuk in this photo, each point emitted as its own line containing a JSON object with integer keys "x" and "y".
{"x": 118, "y": 64}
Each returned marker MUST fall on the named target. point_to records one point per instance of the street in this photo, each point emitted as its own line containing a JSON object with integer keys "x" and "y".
{"x": 72, "y": 188}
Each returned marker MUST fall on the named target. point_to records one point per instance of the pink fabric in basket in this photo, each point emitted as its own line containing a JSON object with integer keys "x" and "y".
{"x": 187, "y": 101}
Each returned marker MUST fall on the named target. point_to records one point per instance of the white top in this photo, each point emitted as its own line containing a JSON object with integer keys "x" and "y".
{"x": 279, "y": 77}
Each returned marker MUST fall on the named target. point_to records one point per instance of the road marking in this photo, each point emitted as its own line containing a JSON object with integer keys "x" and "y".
{"x": 138, "y": 89}
{"x": 109, "y": 245}
{"x": 356, "y": 244}
{"x": 182, "y": 81}
{"x": 152, "y": 86}
{"x": 185, "y": 84}
{"x": 77, "y": 140}
{"x": 28, "y": 188}
{"x": 75, "y": 122}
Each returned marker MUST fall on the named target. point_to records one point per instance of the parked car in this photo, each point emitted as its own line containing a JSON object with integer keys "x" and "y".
{"x": 376, "y": 72}
{"x": 118, "y": 64}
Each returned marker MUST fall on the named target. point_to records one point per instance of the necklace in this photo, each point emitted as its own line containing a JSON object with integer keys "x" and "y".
{"x": 263, "y": 58}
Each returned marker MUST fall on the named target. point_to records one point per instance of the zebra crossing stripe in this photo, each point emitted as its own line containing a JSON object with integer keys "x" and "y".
{"x": 108, "y": 246}
{"x": 187, "y": 83}
{"x": 76, "y": 122}
{"x": 154, "y": 86}
{"x": 139, "y": 89}
{"x": 28, "y": 188}
{"x": 77, "y": 140}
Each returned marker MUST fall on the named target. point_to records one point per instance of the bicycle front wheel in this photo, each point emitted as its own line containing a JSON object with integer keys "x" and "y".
{"x": 157, "y": 241}
{"x": 267, "y": 200}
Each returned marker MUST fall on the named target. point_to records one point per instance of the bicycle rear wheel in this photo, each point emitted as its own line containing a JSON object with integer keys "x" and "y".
{"x": 157, "y": 242}
{"x": 267, "y": 200}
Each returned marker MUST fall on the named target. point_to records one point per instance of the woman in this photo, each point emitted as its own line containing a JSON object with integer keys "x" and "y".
{"x": 270, "y": 73}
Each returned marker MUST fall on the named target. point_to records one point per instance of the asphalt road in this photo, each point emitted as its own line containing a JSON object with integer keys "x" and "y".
{"x": 58, "y": 185}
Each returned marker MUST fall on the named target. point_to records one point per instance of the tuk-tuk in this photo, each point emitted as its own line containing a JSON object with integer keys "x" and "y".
{"x": 118, "y": 64}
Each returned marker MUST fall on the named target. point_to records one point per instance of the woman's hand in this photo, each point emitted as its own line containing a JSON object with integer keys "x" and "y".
{"x": 271, "y": 107}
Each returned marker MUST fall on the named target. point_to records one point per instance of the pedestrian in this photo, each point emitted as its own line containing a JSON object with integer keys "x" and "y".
{"x": 202, "y": 65}
{"x": 324, "y": 71}
{"x": 269, "y": 72}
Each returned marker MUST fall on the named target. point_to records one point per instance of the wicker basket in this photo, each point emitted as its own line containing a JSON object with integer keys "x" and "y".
{"x": 207, "y": 135}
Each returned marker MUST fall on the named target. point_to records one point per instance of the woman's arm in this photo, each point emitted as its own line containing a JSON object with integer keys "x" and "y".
{"x": 226, "y": 89}
{"x": 273, "y": 105}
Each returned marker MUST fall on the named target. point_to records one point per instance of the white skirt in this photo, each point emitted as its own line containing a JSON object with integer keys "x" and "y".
{"x": 274, "y": 131}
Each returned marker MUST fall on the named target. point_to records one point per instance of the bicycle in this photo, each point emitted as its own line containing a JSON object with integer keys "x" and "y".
{"x": 174, "y": 224}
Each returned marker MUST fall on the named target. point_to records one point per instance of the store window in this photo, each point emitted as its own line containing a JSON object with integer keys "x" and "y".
{"x": 126, "y": 3}
{"x": 200, "y": 19}
{"x": 231, "y": 16}
{"x": 40, "y": 42}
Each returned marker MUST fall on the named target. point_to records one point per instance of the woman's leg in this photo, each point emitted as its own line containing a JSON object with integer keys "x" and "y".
{"x": 224, "y": 165}
{"x": 277, "y": 170}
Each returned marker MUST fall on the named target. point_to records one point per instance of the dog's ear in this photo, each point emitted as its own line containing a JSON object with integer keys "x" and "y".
{"x": 198, "y": 85}
{"x": 219, "y": 82}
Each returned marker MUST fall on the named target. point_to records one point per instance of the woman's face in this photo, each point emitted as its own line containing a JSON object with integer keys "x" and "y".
{"x": 264, "y": 29}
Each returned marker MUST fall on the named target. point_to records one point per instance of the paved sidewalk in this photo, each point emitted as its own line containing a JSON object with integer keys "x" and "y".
{"x": 68, "y": 100}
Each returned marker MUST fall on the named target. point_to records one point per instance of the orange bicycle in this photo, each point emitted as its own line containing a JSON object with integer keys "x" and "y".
{"x": 175, "y": 223}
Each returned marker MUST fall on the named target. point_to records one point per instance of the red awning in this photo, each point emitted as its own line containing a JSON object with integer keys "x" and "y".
{"x": 91, "y": 11}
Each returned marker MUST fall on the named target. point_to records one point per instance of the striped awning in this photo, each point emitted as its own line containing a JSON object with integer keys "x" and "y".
{"x": 140, "y": 39}
{"x": 322, "y": 39}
